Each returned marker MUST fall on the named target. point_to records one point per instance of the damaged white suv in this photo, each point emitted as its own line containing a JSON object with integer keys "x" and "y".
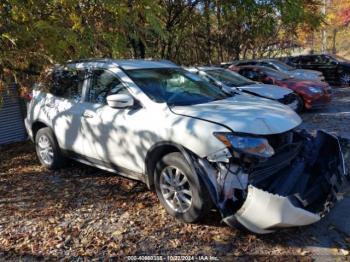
{"x": 196, "y": 145}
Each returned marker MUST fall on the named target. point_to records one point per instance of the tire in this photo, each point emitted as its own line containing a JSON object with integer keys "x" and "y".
{"x": 300, "y": 107}
{"x": 47, "y": 149}
{"x": 200, "y": 202}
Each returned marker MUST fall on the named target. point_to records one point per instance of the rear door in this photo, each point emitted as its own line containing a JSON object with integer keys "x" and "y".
{"x": 65, "y": 108}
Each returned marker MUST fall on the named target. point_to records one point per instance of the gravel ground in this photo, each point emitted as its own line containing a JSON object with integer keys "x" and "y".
{"x": 82, "y": 212}
{"x": 334, "y": 118}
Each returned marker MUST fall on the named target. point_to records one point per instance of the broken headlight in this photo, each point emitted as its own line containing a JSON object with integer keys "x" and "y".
{"x": 254, "y": 146}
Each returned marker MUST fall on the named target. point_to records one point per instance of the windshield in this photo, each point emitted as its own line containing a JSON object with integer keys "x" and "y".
{"x": 275, "y": 74}
{"x": 175, "y": 86}
{"x": 282, "y": 66}
{"x": 229, "y": 78}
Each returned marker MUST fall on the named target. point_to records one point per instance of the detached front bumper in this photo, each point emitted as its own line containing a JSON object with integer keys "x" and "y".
{"x": 296, "y": 187}
{"x": 262, "y": 212}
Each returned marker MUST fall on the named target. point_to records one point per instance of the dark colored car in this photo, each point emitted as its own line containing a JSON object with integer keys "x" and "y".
{"x": 315, "y": 94}
{"x": 284, "y": 68}
{"x": 335, "y": 69}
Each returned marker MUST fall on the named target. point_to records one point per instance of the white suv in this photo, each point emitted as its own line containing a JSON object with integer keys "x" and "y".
{"x": 198, "y": 146}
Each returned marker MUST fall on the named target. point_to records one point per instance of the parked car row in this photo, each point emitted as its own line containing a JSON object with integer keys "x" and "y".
{"x": 283, "y": 68}
{"x": 309, "y": 85}
{"x": 233, "y": 82}
{"x": 202, "y": 138}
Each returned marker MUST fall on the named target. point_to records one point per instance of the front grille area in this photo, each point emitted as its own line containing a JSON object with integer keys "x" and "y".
{"x": 280, "y": 140}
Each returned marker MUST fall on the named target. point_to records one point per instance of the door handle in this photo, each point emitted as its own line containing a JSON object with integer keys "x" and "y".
{"x": 88, "y": 115}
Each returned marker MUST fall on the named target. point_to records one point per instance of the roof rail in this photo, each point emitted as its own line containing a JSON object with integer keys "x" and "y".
{"x": 89, "y": 60}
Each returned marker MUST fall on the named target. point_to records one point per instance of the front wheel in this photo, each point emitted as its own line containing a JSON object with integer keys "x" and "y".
{"x": 181, "y": 192}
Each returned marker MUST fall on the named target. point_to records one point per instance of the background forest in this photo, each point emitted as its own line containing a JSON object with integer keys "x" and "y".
{"x": 39, "y": 33}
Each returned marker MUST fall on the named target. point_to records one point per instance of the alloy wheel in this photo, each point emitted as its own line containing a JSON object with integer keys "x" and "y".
{"x": 175, "y": 189}
{"x": 45, "y": 149}
{"x": 345, "y": 79}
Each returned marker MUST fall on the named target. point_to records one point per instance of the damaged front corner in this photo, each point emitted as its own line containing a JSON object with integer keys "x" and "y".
{"x": 295, "y": 187}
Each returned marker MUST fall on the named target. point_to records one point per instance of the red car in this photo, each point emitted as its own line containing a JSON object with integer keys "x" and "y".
{"x": 314, "y": 94}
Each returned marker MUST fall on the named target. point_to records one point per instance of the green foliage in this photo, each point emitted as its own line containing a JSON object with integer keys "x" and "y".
{"x": 35, "y": 34}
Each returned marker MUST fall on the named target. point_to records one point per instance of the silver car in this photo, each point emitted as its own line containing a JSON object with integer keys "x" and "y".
{"x": 233, "y": 81}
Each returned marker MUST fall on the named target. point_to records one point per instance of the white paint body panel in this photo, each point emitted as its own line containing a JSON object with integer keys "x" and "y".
{"x": 123, "y": 137}
{"x": 246, "y": 114}
{"x": 268, "y": 91}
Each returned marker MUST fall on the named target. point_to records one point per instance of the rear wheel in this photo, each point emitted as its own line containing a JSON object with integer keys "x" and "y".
{"x": 48, "y": 150}
{"x": 181, "y": 192}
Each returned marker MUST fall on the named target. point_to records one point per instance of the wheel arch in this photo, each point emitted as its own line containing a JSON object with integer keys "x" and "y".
{"x": 155, "y": 153}
{"x": 36, "y": 126}
{"x": 161, "y": 149}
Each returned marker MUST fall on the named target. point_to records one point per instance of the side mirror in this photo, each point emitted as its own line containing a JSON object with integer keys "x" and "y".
{"x": 120, "y": 101}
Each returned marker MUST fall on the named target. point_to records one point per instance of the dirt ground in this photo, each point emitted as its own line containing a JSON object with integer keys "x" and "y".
{"x": 82, "y": 212}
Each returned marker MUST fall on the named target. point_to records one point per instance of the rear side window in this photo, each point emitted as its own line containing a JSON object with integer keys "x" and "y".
{"x": 68, "y": 84}
{"x": 308, "y": 60}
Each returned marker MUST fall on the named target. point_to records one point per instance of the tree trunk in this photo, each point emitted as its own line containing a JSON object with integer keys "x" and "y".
{"x": 334, "y": 49}
{"x": 219, "y": 23}
{"x": 208, "y": 29}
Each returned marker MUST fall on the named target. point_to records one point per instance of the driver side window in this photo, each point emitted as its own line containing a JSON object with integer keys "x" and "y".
{"x": 103, "y": 84}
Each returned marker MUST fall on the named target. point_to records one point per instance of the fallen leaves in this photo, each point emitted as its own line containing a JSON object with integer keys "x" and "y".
{"x": 344, "y": 252}
{"x": 303, "y": 252}
{"x": 82, "y": 211}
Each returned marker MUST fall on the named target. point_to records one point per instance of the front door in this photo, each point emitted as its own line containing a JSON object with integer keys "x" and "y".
{"x": 112, "y": 137}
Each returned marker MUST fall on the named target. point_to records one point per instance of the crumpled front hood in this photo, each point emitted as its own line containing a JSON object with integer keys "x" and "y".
{"x": 244, "y": 113}
{"x": 268, "y": 91}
